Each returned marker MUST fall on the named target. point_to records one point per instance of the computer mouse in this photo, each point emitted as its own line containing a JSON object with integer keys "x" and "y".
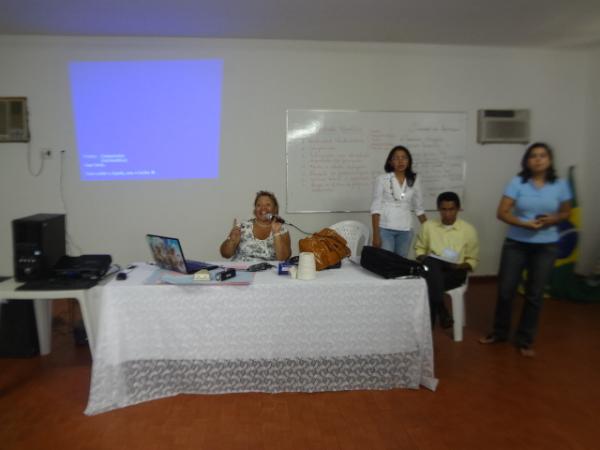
{"x": 121, "y": 276}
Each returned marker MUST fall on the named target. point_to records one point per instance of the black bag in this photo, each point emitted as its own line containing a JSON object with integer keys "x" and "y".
{"x": 389, "y": 264}
{"x": 18, "y": 331}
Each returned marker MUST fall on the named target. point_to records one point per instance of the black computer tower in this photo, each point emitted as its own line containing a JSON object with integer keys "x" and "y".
{"x": 38, "y": 243}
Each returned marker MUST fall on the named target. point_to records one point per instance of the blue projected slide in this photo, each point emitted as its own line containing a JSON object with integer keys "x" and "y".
{"x": 147, "y": 120}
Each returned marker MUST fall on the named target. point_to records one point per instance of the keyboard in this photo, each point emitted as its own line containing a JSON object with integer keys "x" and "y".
{"x": 58, "y": 284}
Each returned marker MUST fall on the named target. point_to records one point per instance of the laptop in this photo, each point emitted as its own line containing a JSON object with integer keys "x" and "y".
{"x": 168, "y": 254}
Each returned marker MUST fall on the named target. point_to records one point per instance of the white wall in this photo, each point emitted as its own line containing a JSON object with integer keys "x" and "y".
{"x": 590, "y": 252}
{"x": 262, "y": 80}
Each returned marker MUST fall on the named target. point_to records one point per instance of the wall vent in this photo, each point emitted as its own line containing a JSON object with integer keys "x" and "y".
{"x": 503, "y": 126}
{"x": 13, "y": 119}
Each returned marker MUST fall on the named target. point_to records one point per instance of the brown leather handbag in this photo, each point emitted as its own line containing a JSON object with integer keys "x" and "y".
{"x": 328, "y": 247}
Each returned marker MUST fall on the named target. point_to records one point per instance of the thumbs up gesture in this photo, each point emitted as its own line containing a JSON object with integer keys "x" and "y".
{"x": 236, "y": 233}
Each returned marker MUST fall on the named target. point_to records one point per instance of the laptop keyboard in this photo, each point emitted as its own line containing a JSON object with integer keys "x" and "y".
{"x": 57, "y": 284}
{"x": 195, "y": 266}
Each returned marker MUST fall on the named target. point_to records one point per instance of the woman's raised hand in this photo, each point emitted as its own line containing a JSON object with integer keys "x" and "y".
{"x": 236, "y": 233}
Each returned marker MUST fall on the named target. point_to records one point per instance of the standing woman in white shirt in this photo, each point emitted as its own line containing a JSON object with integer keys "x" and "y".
{"x": 397, "y": 193}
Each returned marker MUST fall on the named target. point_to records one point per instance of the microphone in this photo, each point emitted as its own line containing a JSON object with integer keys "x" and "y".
{"x": 274, "y": 217}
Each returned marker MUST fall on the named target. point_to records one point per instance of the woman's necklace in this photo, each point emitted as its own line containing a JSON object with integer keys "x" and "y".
{"x": 402, "y": 187}
{"x": 262, "y": 224}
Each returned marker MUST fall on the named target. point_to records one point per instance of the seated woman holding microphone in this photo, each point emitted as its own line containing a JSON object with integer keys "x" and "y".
{"x": 261, "y": 238}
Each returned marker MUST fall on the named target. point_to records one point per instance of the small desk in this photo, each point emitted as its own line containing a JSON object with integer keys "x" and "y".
{"x": 43, "y": 310}
{"x": 347, "y": 329}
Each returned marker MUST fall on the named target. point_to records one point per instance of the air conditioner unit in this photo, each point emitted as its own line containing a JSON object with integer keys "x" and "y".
{"x": 503, "y": 126}
{"x": 13, "y": 119}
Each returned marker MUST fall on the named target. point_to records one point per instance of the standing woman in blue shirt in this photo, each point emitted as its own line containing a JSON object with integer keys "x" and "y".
{"x": 532, "y": 204}
{"x": 396, "y": 193}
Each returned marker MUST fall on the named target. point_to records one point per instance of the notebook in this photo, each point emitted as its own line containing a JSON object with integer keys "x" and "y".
{"x": 168, "y": 254}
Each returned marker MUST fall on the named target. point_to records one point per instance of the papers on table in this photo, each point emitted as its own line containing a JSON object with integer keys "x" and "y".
{"x": 441, "y": 258}
{"x": 160, "y": 276}
{"x": 448, "y": 255}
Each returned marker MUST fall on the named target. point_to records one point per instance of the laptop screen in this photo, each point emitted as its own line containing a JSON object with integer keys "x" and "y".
{"x": 167, "y": 252}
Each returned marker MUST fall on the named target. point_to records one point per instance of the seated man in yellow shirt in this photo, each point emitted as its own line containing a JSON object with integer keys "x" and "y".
{"x": 449, "y": 248}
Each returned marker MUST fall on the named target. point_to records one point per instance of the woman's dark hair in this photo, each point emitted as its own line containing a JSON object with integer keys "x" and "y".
{"x": 260, "y": 194}
{"x": 448, "y": 197}
{"x": 410, "y": 175}
{"x": 525, "y": 172}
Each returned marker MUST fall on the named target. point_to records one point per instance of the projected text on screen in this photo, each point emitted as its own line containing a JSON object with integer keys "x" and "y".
{"x": 147, "y": 120}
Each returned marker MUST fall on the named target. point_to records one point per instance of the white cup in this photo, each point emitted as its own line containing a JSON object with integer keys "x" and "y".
{"x": 293, "y": 272}
{"x": 307, "y": 267}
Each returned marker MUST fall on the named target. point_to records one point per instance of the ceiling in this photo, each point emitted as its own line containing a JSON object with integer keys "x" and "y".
{"x": 530, "y": 23}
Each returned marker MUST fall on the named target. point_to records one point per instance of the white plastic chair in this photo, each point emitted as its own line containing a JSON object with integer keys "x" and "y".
{"x": 356, "y": 234}
{"x": 457, "y": 295}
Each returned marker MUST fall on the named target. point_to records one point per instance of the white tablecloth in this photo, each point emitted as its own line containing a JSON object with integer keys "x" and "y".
{"x": 347, "y": 329}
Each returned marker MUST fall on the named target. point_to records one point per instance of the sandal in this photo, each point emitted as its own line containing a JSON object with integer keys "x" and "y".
{"x": 527, "y": 351}
{"x": 490, "y": 339}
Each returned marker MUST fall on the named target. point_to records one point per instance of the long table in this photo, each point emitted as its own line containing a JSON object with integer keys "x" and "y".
{"x": 347, "y": 329}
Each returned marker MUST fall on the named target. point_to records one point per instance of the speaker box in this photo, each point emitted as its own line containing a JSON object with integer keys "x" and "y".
{"x": 18, "y": 332}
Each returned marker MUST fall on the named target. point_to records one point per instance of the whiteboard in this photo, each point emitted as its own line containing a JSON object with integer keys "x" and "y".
{"x": 333, "y": 157}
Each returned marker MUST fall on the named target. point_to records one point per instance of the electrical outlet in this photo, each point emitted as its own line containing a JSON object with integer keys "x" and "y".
{"x": 46, "y": 153}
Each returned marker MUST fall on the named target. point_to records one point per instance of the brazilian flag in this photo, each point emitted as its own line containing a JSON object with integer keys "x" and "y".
{"x": 565, "y": 283}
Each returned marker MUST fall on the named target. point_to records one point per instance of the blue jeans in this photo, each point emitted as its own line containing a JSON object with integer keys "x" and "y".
{"x": 396, "y": 241}
{"x": 517, "y": 256}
